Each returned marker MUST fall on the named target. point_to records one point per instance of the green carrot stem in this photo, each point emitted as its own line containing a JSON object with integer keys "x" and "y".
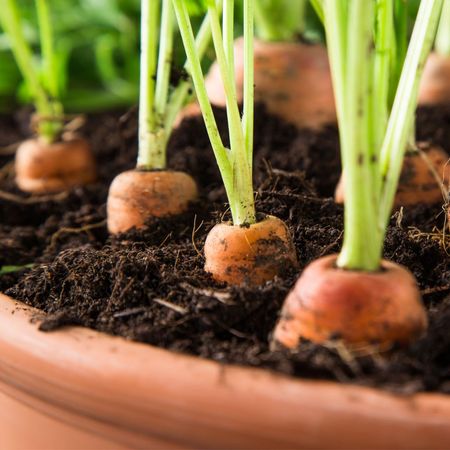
{"x": 399, "y": 46}
{"x": 384, "y": 39}
{"x": 402, "y": 115}
{"x": 47, "y": 48}
{"x": 50, "y": 128}
{"x": 378, "y": 95}
{"x": 155, "y": 147}
{"x": 242, "y": 199}
{"x": 233, "y": 164}
{"x": 182, "y": 90}
{"x": 236, "y": 135}
{"x": 228, "y": 33}
{"x": 10, "y": 21}
{"x": 228, "y": 53}
{"x": 164, "y": 60}
{"x": 148, "y": 156}
{"x": 335, "y": 20}
{"x": 319, "y": 9}
{"x": 249, "y": 80}
{"x": 360, "y": 214}
{"x": 442, "y": 43}
{"x": 220, "y": 152}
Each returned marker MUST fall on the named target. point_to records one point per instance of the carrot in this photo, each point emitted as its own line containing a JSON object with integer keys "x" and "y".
{"x": 246, "y": 251}
{"x": 152, "y": 189}
{"x": 424, "y": 176}
{"x": 48, "y": 163}
{"x": 379, "y": 308}
{"x": 50, "y": 167}
{"x": 435, "y": 85}
{"x": 292, "y": 79}
{"x": 249, "y": 254}
{"x": 357, "y": 297}
{"x": 136, "y": 195}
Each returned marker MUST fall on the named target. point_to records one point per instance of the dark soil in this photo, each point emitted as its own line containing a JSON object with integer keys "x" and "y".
{"x": 150, "y": 285}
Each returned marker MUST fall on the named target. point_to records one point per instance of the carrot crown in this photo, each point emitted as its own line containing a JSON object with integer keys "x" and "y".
{"x": 235, "y": 164}
{"x": 43, "y": 84}
{"x": 159, "y": 105}
{"x": 373, "y": 134}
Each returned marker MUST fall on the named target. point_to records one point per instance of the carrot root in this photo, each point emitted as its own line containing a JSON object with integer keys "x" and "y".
{"x": 249, "y": 255}
{"x": 424, "y": 179}
{"x": 435, "y": 84}
{"x": 360, "y": 308}
{"x": 45, "y": 168}
{"x": 136, "y": 195}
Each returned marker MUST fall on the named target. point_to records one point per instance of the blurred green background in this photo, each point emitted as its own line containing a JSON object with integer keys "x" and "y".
{"x": 97, "y": 42}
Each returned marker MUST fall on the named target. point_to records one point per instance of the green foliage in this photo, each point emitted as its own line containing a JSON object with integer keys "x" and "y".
{"x": 97, "y": 54}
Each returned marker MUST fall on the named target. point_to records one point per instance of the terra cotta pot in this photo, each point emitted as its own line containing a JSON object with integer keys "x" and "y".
{"x": 77, "y": 388}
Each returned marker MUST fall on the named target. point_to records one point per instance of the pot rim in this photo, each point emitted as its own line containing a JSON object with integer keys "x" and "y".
{"x": 137, "y": 391}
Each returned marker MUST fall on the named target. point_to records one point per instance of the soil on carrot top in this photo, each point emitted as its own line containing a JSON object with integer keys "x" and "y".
{"x": 149, "y": 285}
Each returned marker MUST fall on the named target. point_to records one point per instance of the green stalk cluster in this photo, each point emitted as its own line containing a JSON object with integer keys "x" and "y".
{"x": 159, "y": 105}
{"x": 44, "y": 83}
{"x": 235, "y": 163}
{"x": 442, "y": 43}
{"x": 375, "y": 112}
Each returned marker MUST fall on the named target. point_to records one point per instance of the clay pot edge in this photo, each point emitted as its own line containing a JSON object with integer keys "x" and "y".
{"x": 154, "y": 392}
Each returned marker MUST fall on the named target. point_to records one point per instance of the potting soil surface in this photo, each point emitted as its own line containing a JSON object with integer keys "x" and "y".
{"x": 149, "y": 285}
